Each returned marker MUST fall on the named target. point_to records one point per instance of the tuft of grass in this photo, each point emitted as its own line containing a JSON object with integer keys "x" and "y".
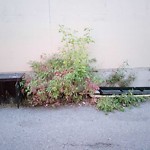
{"x": 109, "y": 104}
{"x": 120, "y": 77}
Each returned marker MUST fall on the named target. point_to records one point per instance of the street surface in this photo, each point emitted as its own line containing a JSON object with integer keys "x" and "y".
{"x": 74, "y": 128}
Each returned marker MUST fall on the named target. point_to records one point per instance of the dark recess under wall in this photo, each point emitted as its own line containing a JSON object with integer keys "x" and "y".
{"x": 123, "y": 90}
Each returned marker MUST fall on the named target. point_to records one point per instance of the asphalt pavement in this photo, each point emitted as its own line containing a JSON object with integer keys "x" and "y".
{"x": 74, "y": 128}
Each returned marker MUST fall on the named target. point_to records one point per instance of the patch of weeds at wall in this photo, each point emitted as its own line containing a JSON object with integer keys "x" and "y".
{"x": 120, "y": 77}
{"x": 67, "y": 76}
{"x": 109, "y": 104}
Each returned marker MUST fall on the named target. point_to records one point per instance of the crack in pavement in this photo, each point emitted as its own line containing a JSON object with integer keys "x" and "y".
{"x": 94, "y": 145}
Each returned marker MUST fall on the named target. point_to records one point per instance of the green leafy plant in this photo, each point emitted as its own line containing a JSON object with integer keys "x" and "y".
{"x": 119, "y": 77}
{"x": 109, "y": 104}
{"x": 66, "y": 76}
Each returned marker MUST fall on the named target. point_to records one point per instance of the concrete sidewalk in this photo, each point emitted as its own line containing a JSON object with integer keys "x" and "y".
{"x": 74, "y": 128}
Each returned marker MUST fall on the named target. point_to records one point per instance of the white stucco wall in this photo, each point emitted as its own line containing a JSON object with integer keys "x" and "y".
{"x": 28, "y": 28}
